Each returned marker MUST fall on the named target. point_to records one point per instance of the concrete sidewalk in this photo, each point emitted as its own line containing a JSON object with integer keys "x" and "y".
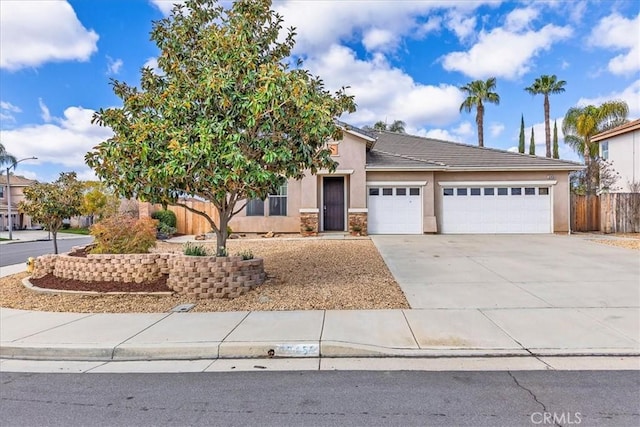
{"x": 313, "y": 334}
{"x": 35, "y": 235}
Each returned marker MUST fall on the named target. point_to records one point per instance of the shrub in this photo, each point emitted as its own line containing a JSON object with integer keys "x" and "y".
{"x": 165, "y": 217}
{"x": 123, "y": 234}
{"x": 246, "y": 255}
{"x": 194, "y": 250}
{"x": 165, "y": 231}
{"x": 66, "y": 226}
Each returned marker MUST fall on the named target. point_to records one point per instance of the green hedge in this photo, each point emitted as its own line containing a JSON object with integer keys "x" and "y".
{"x": 165, "y": 217}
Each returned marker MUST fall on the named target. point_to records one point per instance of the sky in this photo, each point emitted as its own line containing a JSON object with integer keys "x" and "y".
{"x": 402, "y": 60}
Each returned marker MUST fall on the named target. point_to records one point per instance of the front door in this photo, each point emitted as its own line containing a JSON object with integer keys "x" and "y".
{"x": 333, "y": 197}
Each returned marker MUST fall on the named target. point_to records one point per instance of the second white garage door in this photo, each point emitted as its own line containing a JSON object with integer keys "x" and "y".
{"x": 395, "y": 210}
{"x": 515, "y": 208}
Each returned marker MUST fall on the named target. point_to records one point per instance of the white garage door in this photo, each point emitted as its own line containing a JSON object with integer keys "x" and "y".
{"x": 501, "y": 209}
{"x": 395, "y": 210}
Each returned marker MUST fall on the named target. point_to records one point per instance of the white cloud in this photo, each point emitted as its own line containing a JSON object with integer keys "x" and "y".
{"x": 463, "y": 26}
{"x": 433, "y": 24}
{"x": 113, "y": 65}
{"x": 35, "y": 32}
{"x": 496, "y": 129}
{"x": 65, "y": 141}
{"x": 44, "y": 111}
{"x": 631, "y": 95}
{"x": 382, "y": 91}
{"x": 520, "y": 19}
{"x": 504, "y": 53}
{"x": 7, "y": 111}
{"x": 165, "y": 6}
{"x": 619, "y": 33}
{"x": 377, "y": 39}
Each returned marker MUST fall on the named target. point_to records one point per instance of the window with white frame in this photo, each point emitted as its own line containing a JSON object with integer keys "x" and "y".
{"x": 255, "y": 207}
{"x": 278, "y": 202}
{"x": 604, "y": 146}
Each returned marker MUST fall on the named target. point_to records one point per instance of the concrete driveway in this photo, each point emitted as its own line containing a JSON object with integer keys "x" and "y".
{"x": 502, "y": 271}
{"x": 547, "y": 291}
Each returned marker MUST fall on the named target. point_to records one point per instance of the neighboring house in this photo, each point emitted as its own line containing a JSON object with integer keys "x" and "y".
{"x": 621, "y": 147}
{"x": 393, "y": 183}
{"x": 19, "y": 220}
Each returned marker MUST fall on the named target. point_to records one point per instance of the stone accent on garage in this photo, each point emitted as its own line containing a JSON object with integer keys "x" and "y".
{"x": 358, "y": 219}
{"x": 308, "y": 221}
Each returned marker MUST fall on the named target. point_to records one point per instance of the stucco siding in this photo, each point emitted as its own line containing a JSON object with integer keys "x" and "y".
{"x": 624, "y": 154}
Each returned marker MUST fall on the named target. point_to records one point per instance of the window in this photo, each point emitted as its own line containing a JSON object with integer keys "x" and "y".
{"x": 515, "y": 191}
{"x": 543, "y": 191}
{"x": 529, "y": 191}
{"x": 503, "y": 191}
{"x": 334, "y": 149}
{"x": 255, "y": 207}
{"x": 461, "y": 191}
{"x": 374, "y": 191}
{"x": 387, "y": 191}
{"x": 604, "y": 146}
{"x": 475, "y": 191}
{"x": 448, "y": 192}
{"x": 414, "y": 191}
{"x": 278, "y": 202}
{"x": 401, "y": 191}
{"x": 1, "y": 191}
{"x": 488, "y": 191}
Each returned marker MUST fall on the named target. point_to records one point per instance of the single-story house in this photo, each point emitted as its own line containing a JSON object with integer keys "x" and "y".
{"x": 18, "y": 184}
{"x": 621, "y": 147}
{"x": 394, "y": 183}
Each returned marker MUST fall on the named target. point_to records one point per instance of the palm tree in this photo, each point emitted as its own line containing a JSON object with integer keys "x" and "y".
{"x": 478, "y": 92}
{"x": 379, "y": 125}
{"x": 397, "y": 126}
{"x": 580, "y": 124}
{"x": 5, "y": 157}
{"x": 546, "y": 85}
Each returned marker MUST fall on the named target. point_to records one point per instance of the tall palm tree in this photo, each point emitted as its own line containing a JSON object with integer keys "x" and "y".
{"x": 580, "y": 124}
{"x": 546, "y": 85}
{"x": 397, "y": 126}
{"x": 478, "y": 92}
{"x": 5, "y": 157}
{"x": 380, "y": 125}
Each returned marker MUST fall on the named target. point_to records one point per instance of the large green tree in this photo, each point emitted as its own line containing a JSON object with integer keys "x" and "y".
{"x": 50, "y": 203}
{"x": 546, "y": 85}
{"x": 532, "y": 144}
{"x": 580, "y": 124}
{"x": 478, "y": 93}
{"x": 98, "y": 201}
{"x": 397, "y": 126}
{"x": 227, "y": 120}
{"x": 5, "y": 157}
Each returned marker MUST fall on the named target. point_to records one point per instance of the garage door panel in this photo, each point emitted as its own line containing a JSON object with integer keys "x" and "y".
{"x": 501, "y": 210}
{"x": 397, "y": 213}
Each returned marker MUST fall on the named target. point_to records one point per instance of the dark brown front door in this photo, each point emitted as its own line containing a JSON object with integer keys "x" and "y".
{"x": 333, "y": 203}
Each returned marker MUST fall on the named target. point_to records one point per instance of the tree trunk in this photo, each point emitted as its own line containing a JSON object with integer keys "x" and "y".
{"x": 54, "y": 233}
{"x": 480, "y": 123}
{"x": 222, "y": 235}
{"x": 547, "y": 127}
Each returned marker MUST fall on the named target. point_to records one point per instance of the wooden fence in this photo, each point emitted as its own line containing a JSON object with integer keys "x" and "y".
{"x": 186, "y": 221}
{"x": 609, "y": 213}
{"x": 585, "y": 213}
{"x": 620, "y": 213}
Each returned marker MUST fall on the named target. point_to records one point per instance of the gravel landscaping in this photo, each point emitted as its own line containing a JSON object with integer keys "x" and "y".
{"x": 622, "y": 240}
{"x": 305, "y": 274}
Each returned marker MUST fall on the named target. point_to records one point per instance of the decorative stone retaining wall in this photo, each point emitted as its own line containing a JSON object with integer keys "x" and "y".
{"x": 200, "y": 277}
{"x": 358, "y": 219}
{"x": 214, "y": 277}
{"x": 136, "y": 268}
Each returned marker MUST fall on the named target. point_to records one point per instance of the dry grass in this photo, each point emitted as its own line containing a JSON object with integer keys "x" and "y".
{"x": 303, "y": 275}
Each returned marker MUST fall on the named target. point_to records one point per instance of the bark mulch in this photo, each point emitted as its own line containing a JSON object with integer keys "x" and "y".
{"x": 52, "y": 282}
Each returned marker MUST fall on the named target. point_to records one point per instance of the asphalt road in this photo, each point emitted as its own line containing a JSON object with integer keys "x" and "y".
{"x": 16, "y": 253}
{"x": 340, "y": 398}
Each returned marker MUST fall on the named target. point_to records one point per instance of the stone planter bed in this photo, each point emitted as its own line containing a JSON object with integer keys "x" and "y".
{"x": 199, "y": 277}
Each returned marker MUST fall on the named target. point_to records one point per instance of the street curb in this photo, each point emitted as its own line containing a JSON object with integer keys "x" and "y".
{"x": 255, "y": 350}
